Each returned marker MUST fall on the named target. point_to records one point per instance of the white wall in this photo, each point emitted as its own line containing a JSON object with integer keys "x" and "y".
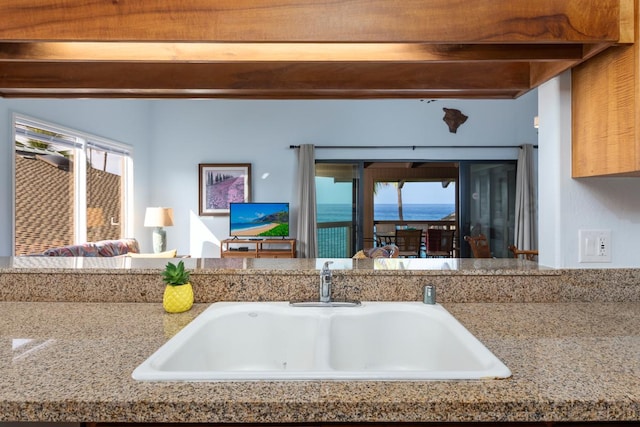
{"x": 170, "y": 138}
{"x": 568, "y": 205}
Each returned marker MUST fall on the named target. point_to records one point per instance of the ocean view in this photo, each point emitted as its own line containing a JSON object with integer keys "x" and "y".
{"x": 387, "y": 212}
{"x": 332, "y": 241}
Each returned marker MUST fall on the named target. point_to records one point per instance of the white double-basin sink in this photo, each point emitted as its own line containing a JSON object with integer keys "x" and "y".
{"x": 247, "y": 341}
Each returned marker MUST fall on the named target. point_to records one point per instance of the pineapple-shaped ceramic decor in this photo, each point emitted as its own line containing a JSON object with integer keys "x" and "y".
{"x": 178, "y": 294}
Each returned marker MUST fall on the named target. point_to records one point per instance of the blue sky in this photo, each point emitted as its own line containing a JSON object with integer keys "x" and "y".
{"x": 412, "y": 193}
{"x": 417, "y": 193}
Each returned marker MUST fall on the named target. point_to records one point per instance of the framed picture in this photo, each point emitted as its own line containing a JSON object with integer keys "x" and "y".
{"x": 221, "y": 184}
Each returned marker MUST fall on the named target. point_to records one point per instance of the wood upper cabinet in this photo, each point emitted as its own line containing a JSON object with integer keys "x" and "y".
{"x": 605, "y": 108}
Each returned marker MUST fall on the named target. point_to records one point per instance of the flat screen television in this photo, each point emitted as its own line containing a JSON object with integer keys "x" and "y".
{"x": 259, "y": 219}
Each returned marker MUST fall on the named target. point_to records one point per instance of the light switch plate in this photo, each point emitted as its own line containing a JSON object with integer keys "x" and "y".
{"x": 594, "y": 245}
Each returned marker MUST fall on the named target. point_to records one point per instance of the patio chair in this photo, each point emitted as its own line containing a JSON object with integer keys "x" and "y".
{"x": 439, "y": 243}
{"x": 527, "y": 254}
{"x": 479, "y": 246}
{"x": 408, "y": 243}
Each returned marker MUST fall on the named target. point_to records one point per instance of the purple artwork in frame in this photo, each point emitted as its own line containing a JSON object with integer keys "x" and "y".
{"x": 221, "y": 184}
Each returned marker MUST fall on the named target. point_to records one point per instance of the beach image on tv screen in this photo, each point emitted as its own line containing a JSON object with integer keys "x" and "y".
{"x": 259, "y": 219}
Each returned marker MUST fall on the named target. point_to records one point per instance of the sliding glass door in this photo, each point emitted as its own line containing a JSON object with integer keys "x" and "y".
{"x": 488, "y": 204}
{"x": 470, "y": 197}
{"x": 337, "y": 209}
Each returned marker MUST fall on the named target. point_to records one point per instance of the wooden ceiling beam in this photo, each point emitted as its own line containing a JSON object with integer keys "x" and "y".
{"x": 287, "y": 52}
{"x": 299, "y": 49}
{"x": 432, "y": 21}
{"x": 260, "y": 76}
{"x": 258, "y": 94}
{"x": 544, "y": 71}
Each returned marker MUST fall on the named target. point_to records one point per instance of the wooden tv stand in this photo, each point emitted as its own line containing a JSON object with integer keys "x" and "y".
{"x": 258, "y": 248}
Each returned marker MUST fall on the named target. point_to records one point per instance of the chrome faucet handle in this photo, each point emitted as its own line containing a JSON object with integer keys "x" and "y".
{"x": 325, "y": 267}
{"x": 325, "y": 282}
{"x": 429, "y": 294}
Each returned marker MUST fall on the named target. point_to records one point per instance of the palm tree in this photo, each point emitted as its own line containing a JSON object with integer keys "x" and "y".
{"x": 398, "y": 186}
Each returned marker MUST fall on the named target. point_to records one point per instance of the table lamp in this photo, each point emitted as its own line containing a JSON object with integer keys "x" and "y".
{"x": 158, "y": 218}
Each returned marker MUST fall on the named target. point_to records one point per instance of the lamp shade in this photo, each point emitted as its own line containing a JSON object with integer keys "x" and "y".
{"x": 158, "y": 217}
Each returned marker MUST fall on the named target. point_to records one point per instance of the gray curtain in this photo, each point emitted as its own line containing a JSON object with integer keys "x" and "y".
{"x": 306, "y": 232}
{"x": 526, "y": 221}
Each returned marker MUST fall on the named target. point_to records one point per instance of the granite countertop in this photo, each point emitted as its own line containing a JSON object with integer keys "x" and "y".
{"x": 72, "y": 361}
{"x": 295, "y": 266}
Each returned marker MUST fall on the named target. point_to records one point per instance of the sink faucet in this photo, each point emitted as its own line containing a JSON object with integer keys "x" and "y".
{"x": 325, "y": 282}
{"x": 325, "y": 293}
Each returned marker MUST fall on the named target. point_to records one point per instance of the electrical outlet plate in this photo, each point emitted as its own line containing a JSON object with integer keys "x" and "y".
{"x": 595, "y": 245}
